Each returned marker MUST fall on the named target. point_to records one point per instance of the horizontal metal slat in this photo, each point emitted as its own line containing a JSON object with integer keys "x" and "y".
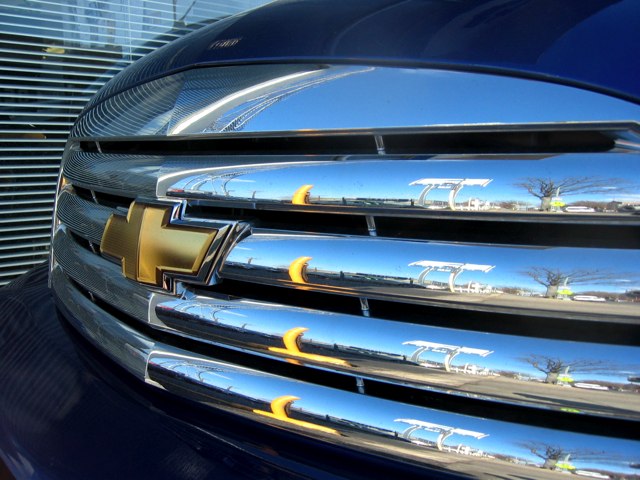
{"x": 6, "y": 243}
{"x": 103, "y": 76}
{"x": 393, "y": 429}
{"x": 84, "y": 218}
{"x": 21, "y": 211}
{"x": 25, "y": 81}
{"x": 45, "y": 219}
{"x": 549, "y": 281}
{"x": 7, "y": 276}
{"x": 53, "y": 148}
{"x": 527, "y": 187}
{"x": 15, "y": 238}
{"x": 21, "y": 175}
{"x": 60, "y": 106}
{"x": 24, "y": 245}
{"x": 122, "y": 174}
{"x": 48, "y": 55}
{"x": 491, "y": 366}
{"x": 30, "y": 263}
{"x": 56, "y": 24}
{"x": 32, "y": 184}
{"x": 37, "y": 123}
{"x": 43, "y": 47}
{"x": 14, "y": 193}
{"x": 68, "y": 98}
{"x": 12, "y": 255}
{"x": 27, "y": 228}
{"x": 49, "y": 62}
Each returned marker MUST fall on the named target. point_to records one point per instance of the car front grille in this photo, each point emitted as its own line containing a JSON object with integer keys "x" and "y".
{"x": 396, "y": 262}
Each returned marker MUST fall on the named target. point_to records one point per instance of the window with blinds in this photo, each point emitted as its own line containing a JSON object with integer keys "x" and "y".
{"x": 54, "y": 55}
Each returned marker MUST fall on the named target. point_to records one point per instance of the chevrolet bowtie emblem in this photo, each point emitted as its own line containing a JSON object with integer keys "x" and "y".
{"x": 149, "y": 246}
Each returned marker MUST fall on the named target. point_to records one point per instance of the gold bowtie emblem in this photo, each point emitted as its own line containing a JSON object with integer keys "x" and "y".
{"x": 149, "y": 246}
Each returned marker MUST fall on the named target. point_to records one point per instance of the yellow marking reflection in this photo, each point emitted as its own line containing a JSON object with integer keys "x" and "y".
{"x": 301, "y": 195}
{"x": 280, "y": 411}
{"x": 297, "y": 269}
{"x": 291, "y": 341}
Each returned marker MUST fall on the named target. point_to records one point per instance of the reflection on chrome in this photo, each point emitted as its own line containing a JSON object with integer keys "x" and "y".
{"x": 297, "y": 98}
{"x": 567, "y": 185}
{"x": 280, "y": 410}
{"x": 450, "y": 351}
{"x": 443, "y": 431}
{"x": 453, "y": 269}
{"x": 292, "y": 341}
{"x": 491, "y": 447}
{"x": 376, "y": 425}
{"x": 569, "y": 376}
{"x": 454, "y": 185}
{"x": 585, "y": 281}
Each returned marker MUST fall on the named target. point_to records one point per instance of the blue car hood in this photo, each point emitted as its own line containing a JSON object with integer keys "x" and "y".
{"x": 589, "y": 44}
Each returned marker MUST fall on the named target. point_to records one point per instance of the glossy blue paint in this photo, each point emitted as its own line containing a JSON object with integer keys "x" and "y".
{"x": 68, "y": 413}
{"x": 587, "y": 44}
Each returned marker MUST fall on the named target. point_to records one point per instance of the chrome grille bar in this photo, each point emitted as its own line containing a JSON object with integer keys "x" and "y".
{"x": 492, "y": 366}
{"x": 538, "y": 280}
{"x": 566, "y": 185}
{"x": 503, "y": 368}
{"x": 467, "y": 444}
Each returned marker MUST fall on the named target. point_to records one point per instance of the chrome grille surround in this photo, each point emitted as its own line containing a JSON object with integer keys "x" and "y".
{"x": 500, "y": 310}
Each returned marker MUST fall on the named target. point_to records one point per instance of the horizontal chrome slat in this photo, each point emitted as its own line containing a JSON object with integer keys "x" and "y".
{"x": 84, "y": 218}
{"x": 568, "y": 185}
{"x": 22, "y": 220}
{"x": 466, "y": 444}
{"x": 151, "y": 174}
{"x": 502, "y": 368}
{"x": 549, "y": 281}
{"x": 30, "y": 253}
{"x": 260, "y": 99}
{"x": 7, "y": 276}
{"x": 27, "y": 193}
{"x": 118, "y": 174}
{"x": 24, "y": 245}
{"x": 22, "y": 211}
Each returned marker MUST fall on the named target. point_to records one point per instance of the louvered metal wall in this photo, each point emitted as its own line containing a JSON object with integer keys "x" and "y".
{"x": 54, "y": 55}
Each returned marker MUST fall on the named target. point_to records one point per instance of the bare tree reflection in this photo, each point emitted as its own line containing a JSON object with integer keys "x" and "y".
{"x": 556, "y": 457}
{"x": 552, "y": 279}
{"x": 552, "y": 367}
{"x": 546, "y": 188}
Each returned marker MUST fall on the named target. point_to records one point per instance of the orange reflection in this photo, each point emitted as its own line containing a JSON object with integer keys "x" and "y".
{"x": 297, "y": 269}
{"x": 291, "y": 341}
{"x": 301, "y": 195}
{"x": 280, "y": 411}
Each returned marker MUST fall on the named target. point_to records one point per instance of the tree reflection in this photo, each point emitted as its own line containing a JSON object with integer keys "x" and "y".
{"x": 556, "y": 457}
{"x": 552, "y": 367}
{"x": 552, "y": 278}
{"x": 546, "y": 188}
